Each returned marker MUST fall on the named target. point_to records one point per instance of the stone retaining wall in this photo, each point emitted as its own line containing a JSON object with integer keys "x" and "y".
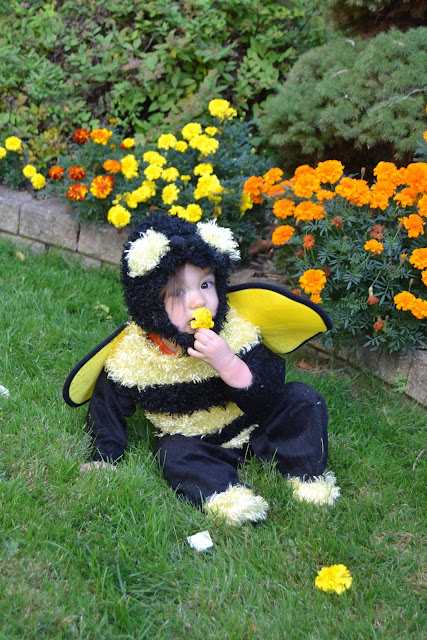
{"x": 42, "y": 224}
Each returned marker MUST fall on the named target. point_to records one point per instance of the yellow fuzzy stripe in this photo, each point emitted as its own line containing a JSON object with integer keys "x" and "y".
{"x": 136, "y": 362}
{"x": 199, "y": 423}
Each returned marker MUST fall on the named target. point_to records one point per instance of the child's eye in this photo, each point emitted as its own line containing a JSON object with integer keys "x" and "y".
{"x": 179, "y": 293}
{"x": 207, "y": 284}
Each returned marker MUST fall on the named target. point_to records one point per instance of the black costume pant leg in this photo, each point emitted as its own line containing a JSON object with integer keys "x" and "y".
{"x": 197, "y": 469}
{"x": 295, "y": 435}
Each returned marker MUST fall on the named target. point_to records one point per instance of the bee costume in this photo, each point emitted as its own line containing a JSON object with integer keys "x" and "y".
{"x": 205, "y": 429}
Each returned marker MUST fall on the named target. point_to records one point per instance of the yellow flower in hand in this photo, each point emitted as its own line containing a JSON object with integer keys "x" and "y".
{"x": 202, "y": 319}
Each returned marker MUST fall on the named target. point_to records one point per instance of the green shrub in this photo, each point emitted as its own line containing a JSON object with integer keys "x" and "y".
{"x": 365, "y": 17}
{"x": 361, "y": 101}
{"x": 78, "y": 63}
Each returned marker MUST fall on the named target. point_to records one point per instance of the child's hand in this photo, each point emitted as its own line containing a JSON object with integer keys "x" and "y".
{"x": 97, "y": 464}
{"x": 214, "y": 350}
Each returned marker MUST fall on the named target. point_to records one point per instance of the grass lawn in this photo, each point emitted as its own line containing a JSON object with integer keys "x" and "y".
{"x": 104, "y": 555}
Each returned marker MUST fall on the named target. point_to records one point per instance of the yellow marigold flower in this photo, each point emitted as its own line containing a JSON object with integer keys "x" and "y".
{"x": 203, "y": 169}
{"x": 202, "y": 319}
{"x": 170, "y": 175}
{"x": 335, "y": 578}
{"x": 29, "y": 171}
{"x": 419, "y": 308}
{"x": 374, "y": 246}
{"x": 131, "y": 199}
{"x": 355, "y": 191}
{"x": 13, "y": 143}
{"x": 143, "y": 193}
{"x": 151, "y": 185}
{"x": 191, "y": 130}
{"x": 306, "y": 184}
{"x": 207, "y": 186}
{"x": 404, "y": 300}
{"x": 211, "y": 131}
{"x": 245, "y": 203}
{"x": 185, "y": 178}
{"x": 308, "y": 210}
{"x": 129, "y": 167}
{"x": 313, "y": 281}
{"x": 282, "y": 234}
{"x": 181, "y": 146}
{"x": 101, "y": 136}
{"x": 177, "y": 210}
{"x": 118, "y": 216}
{"x": 2, "y": 152}
{"x": 102, "y": 186}
{"x": 166, "y": 141}
{"x": 127, "y": 143}
{"x": 153, "y": 171}
{"x": 170, "y": 194}
{"x": 38, "y": 181}
{"x": 414, "y": 224}
{"x": 283, "y": 208}
{"x": 152, "y": 157}
{"x": 329, "y": 171}
{"x": 422, "y": 206}
{"x": 221, "y": 109}
{"x": 424, "y": 277}
{"x": 193, "y": 213}
{"x": 204, "y": 144}
{"x": 418, "y": 258}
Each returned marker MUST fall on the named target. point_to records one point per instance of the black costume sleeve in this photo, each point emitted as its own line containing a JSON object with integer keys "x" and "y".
{"x": 263, "y": 395}
{"x": 109, "y": 407}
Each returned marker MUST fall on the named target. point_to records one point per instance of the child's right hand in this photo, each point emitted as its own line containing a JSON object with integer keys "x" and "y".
{"x": 97, "y": 464}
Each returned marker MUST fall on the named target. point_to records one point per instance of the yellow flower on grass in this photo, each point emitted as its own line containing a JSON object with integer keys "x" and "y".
{"x": 202, "y": 319}
{"x": 170, "y": 175}
{"x": 129, "y": 167}
{"x": 38, "y": 181}
{"x": 29, "y": 171}
{"x": 153, "y": 171}
{"x": 2, "y": 152}
{"x": 191, "y": 130}
{"x": 170, "y": 194}
{"x": 13, "y": 143}
{"x": 335, "y": 578}
{"x": 374, "y": 246}
{"x": 152, "y": 157}
{"x": 118, "y": 216}
{"x": 166, "y": 141}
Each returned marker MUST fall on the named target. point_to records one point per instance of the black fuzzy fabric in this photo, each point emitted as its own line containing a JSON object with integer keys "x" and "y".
{"x": 142, "y": 293}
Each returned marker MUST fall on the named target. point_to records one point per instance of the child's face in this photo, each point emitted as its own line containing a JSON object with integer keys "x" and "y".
{"x": 195, "y": 287}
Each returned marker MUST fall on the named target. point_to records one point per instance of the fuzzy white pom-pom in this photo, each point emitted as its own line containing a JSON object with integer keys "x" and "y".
{"x": 220, "y": 238}
{"x": 237, "y": 505}
{"x": 146, "y": 252}
{"x": 319, "y": 490}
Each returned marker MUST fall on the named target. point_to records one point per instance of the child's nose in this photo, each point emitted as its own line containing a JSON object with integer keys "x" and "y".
{"x": 197, "y": 299}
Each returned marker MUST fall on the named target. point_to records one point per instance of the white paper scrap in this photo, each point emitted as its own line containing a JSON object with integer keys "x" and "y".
{"x": 4, "y": 391}
{"x": 200, "y": 541}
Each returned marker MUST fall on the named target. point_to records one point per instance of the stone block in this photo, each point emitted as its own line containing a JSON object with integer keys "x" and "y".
{"x": 25, "y": 243}
{"x": 50, "y": 221}
{"x": 416, "y": 386}
{"x": 104, "y": 242}
{"x": 10, "y": 207}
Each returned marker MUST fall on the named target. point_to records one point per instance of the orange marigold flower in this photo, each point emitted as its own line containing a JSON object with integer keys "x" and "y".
{"x": 424, "y": 277}
{"x": 297, "y": 292}
{"x": 374, "y": 246}
{"x": 282, "y": 234}
{"x": 355, "y": 191}
{"x": 306, "y": 184}
{"x": 283, "y": 208}
{"x": 379, "y": 325}
{"x": 101, "y": 136}
{"x": 406, "y": 197}
{"x": 56, "y": 172}
{"x": 313, "y": 280}
{"x": 276, "y": 190}
{"x": 81, "y": 135}
{"x": 377, "y": 231}
{"x": 404, "y": 300}
{"x": 380, "y": 196}
{"x": 102, "y": 186}
{"x": 112, "y": 166}
{"x": 308, "y": 210}
{"x": 77, "y": 192}
{"x": 416, "y": 176}
{"x": 308, "y": 241}
{"x": 329, "y": 171}
{"x": 422, "y": 206}
{"x": 315, "y": 297}
{"x": 324, "y": 194}
{"x": 303, "y": 169}
{"x": 272, "y": 176}
{"x": 299, "y": 253}
{"x": 414, "y": 224}
{"x": 388, "y": 173}
{"x": 418, "y": 258}
{"x": 254, "y": 187}
{"x": 372, "y": 300}
{"x": 337, "y": 222}
{"x": 76, "y": 173}
{"x": 419, "y": 308}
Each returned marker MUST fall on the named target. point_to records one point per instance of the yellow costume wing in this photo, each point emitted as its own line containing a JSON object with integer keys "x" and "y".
{"x": 286, "y": 322}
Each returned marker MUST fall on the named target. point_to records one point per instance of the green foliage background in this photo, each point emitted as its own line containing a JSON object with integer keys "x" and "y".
{"x": 146, "y": 64}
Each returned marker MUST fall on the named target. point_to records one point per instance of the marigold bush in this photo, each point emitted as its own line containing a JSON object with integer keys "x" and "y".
{"x": 358, "y": 249}
{"x": 198, "y": 175}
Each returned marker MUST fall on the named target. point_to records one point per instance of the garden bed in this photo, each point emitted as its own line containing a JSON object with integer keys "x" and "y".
{"x": 42, "y": 224}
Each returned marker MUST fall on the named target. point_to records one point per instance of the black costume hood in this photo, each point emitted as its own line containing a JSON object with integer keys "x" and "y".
{"x": 155, "y": 249}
